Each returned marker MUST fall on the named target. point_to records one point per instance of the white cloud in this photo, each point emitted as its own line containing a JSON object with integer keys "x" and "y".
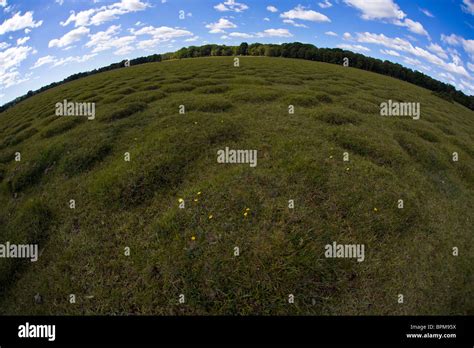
{"x": 357, "y": 48}
{"x": 19, "y": 22}
{"x": 390, "y": 53}
{"x": 220, "y": 25}
{"x": 97, "y": 16}
{"x": 192, "y": 39}
{"x": 451, "y": 39}
{"x": 414, "y": 27}
{"x": 266, "y": 19}
{"x": 325, "y": 4}
{"x": 241, "y": 35}
{"x": 455, "y": 40}
{"x": 438, "y": 50}
{"x": 10, "y": 60}
{"x": 330, "y": 33}
{"x": 22, "y": 40}
{"x": 411, "y": 61}
{"x": 272, "y": 9}
{"x": 347, "y": 36}
{"x": 12, "y": 78}
{"x": 3, "y": 3}
{"x": 468, "y": 6}
{"x": 386, "y": 10}
{"x": 405, "y": 46}
{"x": 159, "y": 35}
{"x": 60, "y": 2}
{"x": 69, "y": 38}
{"x": 100, "y": 41}
{"x": 293, "y": 23}
{"x": 54, "y": 62}
{"x": 265, "y": 33}
{"x": 467, "y": 86}
{"x": 377, "y": 9}
{"x": 275, "y": 33}
{"x": 447, "y": 76}
{"x": 231, "y": 5}
{"x": 4, "y": 45}
{"x": 43, "y": 61}
{"x": 426, "y": 12}
{"x": 12, "y": 57}
{"x": 299, "y": 12}
{"x": 470, "y": 66}
{"x": 468, "y": 46}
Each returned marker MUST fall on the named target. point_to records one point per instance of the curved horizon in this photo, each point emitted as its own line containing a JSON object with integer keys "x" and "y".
{"x": 35, "y": 51}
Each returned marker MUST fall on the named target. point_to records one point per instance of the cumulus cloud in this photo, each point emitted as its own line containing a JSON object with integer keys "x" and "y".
{"x": 192, "y": 39}
{"x": 159, "y": 35}
{"x": 451, "y": 39}
{"x": 55, "y": 62}
{"x": 468, "y": 6}
{"x": 466, "y": 85}
{"x": 43, "y": 61}
{"x": 231, "y": 5}
{"x": 455, "y": 40}
{"x": 22, "y": 40}
{"x": 325, "y": 4}
{"x": 300, "y": 12}
{"x": 97, "y": 16}
{"x": 265, "y": 33}
{"x": 405, "y": 46}
{"x": 390, "y": 53}
{"x": 19, "y": 22}
{"x": 438, "y": 50}
{"x": 241, "y": 35}
{"x": 220, "y": 25}
{"x": 69, "y": 38}
{"x": 414, "y": 27}
{"x": 275, "y": 33}
{"x": 377, "y": 9}
{"x": 272, "y": 9}
{"x": 356, "y": 48}
{"x": 10, "y": 60}
{"x": 293, "y": 23}
{"x": 347, "y": 36}
{"x": 386, "y": 10}
{"x": 447, "y": 76}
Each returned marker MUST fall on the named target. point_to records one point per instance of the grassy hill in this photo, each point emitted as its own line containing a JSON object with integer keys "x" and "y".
{"x": 190, "y": 251}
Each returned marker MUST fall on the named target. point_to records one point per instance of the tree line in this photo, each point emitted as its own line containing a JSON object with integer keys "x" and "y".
{"x": 288, "y": 50}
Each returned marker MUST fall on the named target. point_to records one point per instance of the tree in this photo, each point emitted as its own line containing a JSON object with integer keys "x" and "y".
{"x": 244, "y": 48}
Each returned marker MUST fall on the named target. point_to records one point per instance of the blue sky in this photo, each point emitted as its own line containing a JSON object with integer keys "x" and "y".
{"x": 48, "y": 40}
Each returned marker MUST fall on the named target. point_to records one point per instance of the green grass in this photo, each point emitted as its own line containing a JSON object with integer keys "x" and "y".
{"x": 300, "y": 156}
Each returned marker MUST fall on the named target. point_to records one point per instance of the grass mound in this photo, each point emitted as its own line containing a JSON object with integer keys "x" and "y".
{"x": 334, "y": 171}
{"x": 123, "y": 111}
{"x": 209, "y": 104}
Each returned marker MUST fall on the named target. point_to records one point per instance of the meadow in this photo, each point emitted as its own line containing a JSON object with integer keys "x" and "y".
{"x": 134, "y": 205}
